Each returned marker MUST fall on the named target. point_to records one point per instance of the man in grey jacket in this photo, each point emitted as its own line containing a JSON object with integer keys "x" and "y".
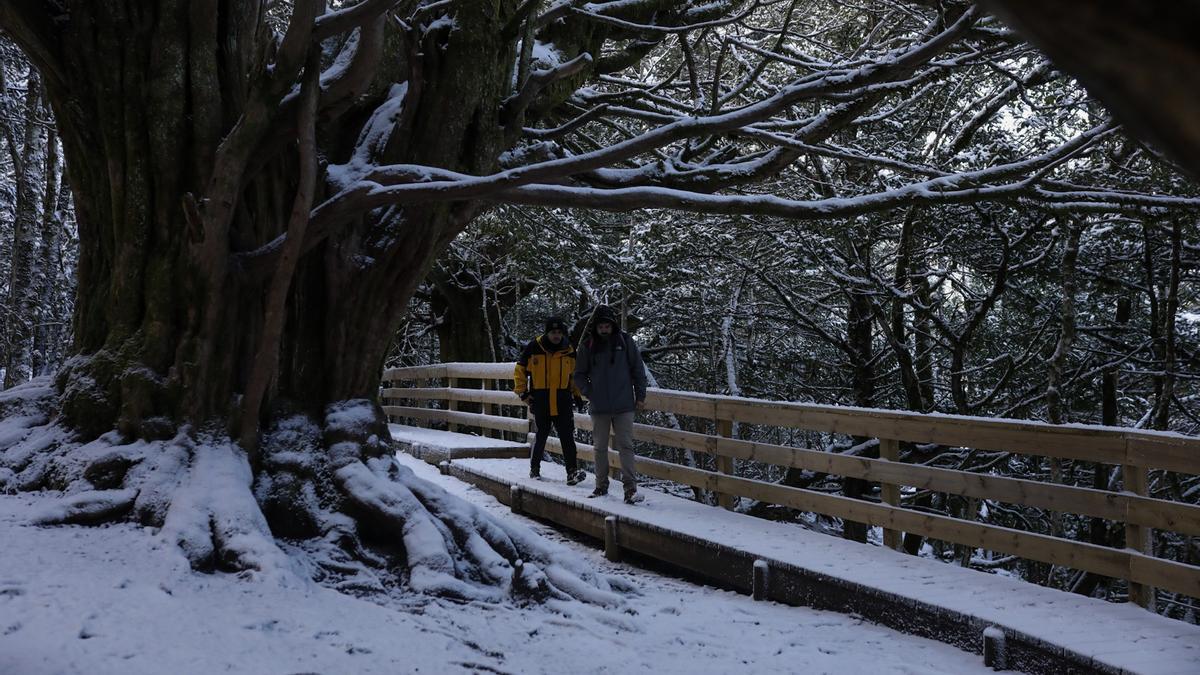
{"x": 610, "y": 373}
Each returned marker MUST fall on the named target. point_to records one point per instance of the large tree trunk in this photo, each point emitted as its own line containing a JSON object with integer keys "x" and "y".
{"x": 167, "y": 325}
{"x": 176, "y": 132}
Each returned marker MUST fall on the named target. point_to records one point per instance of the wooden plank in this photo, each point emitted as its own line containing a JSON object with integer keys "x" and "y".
{"x": 725, "y": 465}
{"x": 414, "y": 373}
{"x": 1034, "y": 546}
{"x": 889, "y": 450}
{"x": 1164, "y": 450}
{"x": 1025, "y": 544}
{"x": 1138, "y": 538}
{"x": 676, "y": 438}
{"x": 1168, "y": 574}
{"x": 481, "y": 371}
{"x": 487, "y": 396}
{"x": 681, "y": 403}
{"x": 1172, "y": 452}
{"x": 1157, "y": 513}
{"x": 482, "y": 421}
{"x": 1011, "y": 436}
{"x": 645, "y": 466}
{"x": 1160, "y": 514}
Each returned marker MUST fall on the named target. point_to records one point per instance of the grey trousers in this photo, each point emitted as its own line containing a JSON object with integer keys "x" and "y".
{"x": 622, "y": 428}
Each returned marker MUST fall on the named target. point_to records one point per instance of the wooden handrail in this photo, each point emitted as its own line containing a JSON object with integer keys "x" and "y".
{"x": 1093, "y": 443}
{"x": 1157, "y": 513}
{"x": 469, "y": 419}
{"x": 1135, "y": 450}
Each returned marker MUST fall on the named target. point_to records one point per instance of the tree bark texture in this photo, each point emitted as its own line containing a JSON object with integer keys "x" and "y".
{"x": 459, "y": 301}
{"x": 153, "y": 100}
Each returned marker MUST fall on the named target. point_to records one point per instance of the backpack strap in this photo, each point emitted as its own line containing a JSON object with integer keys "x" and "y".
{"x": 628, "y": 358}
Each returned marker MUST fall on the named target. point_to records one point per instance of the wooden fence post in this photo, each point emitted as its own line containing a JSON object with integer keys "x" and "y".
{"x": 612, "y": 550}
{"x": 488, "y": 408}
{"x": 725, "y": 464}
{"x": 386, "y": 401}
{"x": 889, "y": 449}
{"x": 451, "y": 404}
{"x": 514, "y": 498}
{"x": 1138, "y": 537}
{"x": 760, "y": 577}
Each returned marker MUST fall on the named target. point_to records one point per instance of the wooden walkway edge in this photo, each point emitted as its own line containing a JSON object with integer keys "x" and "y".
{"x": 795, "y": 584}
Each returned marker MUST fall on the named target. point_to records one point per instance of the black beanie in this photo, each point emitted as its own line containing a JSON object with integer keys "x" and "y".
{"x": 605, "y": 313}
{"x": 555, "y": 323}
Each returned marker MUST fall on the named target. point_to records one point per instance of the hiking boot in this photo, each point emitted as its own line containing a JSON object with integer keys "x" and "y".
{"x": 576, "y": 477}
{"x": 632, "y": 496}
{"x": 535, "y": 473}
{"x": 599, "y": 492}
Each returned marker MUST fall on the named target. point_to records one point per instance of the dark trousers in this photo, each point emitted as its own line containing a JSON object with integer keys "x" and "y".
{"x": 564, "y": 424}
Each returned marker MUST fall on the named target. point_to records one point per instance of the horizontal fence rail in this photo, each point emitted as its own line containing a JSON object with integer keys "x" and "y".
{"x": 1136, "y": 451}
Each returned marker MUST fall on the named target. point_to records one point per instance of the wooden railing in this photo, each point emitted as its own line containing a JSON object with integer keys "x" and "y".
{"x": 1137, "y": 452}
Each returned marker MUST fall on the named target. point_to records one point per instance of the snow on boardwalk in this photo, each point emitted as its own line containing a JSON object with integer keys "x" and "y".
{"x": 434, "y": 446}
{"x": 1109, "y": 637}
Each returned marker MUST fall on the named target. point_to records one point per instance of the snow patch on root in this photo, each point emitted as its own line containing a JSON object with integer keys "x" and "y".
{"x": 85, "y": 508}
{"x": 456, "y": 549}
{"x": 214, "y": 519}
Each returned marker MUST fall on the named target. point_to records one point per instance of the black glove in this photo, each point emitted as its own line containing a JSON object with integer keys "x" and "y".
{"x": 580, "y": 404}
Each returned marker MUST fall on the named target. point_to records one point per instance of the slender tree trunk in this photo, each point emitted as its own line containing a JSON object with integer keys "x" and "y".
{"x": 1165, "y": 389}
{"x": 1109, "y": 416}
{"x": 923, "y": 339}
{"x": 22, "y": 289}
{"x": 1066, "y": 332}
{"x": 1149, "y": 269}
{"x": 50, "y": 339}
{"x": 1058, "y": 360}
{"x": 860, "y": 337}
{"x": 51, "y": 228}
{"x": 909, "y": 379}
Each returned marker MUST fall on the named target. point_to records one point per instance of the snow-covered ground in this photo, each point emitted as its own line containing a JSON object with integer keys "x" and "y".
{"x": 114, "y": 599}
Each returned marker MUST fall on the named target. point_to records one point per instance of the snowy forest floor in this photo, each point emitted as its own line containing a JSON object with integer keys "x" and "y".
{"x": 115, "y": 599}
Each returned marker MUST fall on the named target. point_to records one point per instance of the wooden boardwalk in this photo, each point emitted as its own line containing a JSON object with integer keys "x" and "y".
{"x": 728, "y": 446}
{"x": 1045, "y": 630}
{"x": 691, "y": 424}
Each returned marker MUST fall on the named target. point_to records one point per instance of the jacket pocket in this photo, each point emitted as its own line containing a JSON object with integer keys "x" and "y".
{"x": 537, "y": 371}
{"x": 568, "y": 369}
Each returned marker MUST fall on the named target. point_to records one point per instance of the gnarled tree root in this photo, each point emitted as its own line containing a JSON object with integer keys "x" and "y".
{"x": 333, "y": 490}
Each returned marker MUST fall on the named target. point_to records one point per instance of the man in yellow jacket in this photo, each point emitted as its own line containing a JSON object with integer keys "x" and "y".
{"x": 543, "y": 380}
